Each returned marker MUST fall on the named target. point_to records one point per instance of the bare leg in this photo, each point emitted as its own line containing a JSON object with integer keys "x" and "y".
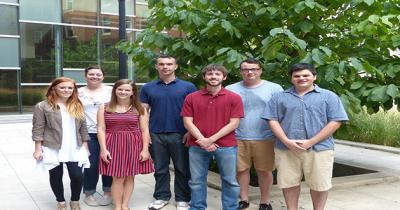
{"x": 319, "y": 199}
{"x": 265, "y": 180}
{"x": 292, "y": 197}
{"x": 243, "y": 178}
{"x": 117, "y": 191}
{"x": 128, "y": 189}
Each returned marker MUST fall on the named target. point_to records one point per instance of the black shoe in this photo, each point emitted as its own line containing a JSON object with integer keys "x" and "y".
{"x": 264, "y": 206}
{"x": 243, "y": 205}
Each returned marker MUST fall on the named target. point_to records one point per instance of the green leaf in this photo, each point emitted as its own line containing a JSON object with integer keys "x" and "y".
{"x": 306, "y": 26}
{"x": 356, "y": 85}
{"x": 227, "y": 26}
{"x": 299, "y": 7}
{"x": 340, "y": 80}
{"x": 357, "y": 64}
{"x": 392, "y": 90}
{"x": 261, "y": 11}
{"x": 326, "y": 50}
{"x": 374, "y": 19}
{"x": 330, "y": 73}
{"x": 396, "y": 40}
{"x": 379, "y": 94}
{"x": 310, "y": 4}
{"x": 301, "y": 43}
{"x": 341, "y": 67}
{"x": 385, "y": 20}
{"x": 272, "y": 10}
{"x": 275, "y": 31}
{"x": 369, "y": 2}
{"x": 222, "y": 50}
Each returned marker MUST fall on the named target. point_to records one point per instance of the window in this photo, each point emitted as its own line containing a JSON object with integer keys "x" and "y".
{"x": 9, "y": 52}
{"x": 8, "y": 20}
{"x": 34, "y": 10}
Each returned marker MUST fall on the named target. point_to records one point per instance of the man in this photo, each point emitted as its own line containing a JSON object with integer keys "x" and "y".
{"x": 304, "y": 118}
{"x": 255, "y": 138}
{"x": 164, "y": 98}
{"x": 211, "y": 116}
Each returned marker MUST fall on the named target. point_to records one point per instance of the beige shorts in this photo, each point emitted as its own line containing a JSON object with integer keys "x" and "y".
{"x": 315, "y": 166}
{"x": 260, "y": 153}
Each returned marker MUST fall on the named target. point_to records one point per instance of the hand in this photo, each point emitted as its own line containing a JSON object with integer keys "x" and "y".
{"x": 204, "y": 142}
{"x": 306, "y": 144}
{"x": 85, "y": 145}
{"x": 144, "y": 155}
{"x": 185, "y": 139}
{"x": 294, "y": 145}
{"x": 212, "y": 147}
{"x": 38, "y": 155}
{"x": 105, "y": 156}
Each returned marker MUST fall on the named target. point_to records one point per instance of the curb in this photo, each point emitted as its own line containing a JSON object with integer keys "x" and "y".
{"x": 382, "y": 148}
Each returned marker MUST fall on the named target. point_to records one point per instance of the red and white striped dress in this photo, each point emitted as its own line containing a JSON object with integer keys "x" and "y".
{"x": 124, "y": 142}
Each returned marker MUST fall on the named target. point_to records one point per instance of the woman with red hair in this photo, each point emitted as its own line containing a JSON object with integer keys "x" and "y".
{"x": 60, "y": 135}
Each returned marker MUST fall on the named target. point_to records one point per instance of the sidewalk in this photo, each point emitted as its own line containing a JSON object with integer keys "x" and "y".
{"x": 23, "y": 187}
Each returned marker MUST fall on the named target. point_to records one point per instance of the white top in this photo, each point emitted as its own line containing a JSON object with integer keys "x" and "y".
{"x": 91, "y": 104}
{"x": 69, "y": 152}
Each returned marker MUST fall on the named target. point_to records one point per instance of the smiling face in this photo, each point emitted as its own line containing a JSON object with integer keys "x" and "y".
{"x": 94, "y": 77}
{"x": 166, "y": 67}
{"x": 124, "y": 91}
{"x": 64, "y": 90}
{"x": 303, "y": 79}
{"x": 251, "y": 72}
{"x": 214, "y": 78}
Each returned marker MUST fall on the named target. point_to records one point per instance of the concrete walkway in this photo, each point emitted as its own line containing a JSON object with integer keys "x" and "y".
{"x": 26, "y": 188}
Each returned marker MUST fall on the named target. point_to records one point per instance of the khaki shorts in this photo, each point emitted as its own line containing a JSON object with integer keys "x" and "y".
{"x": 316, "y": 166}
{"x": 260, "y": 153}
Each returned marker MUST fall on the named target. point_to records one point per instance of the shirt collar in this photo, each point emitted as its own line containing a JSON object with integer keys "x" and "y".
{"x": 172, "y": 82}
{"x": 293, "y": 91}
{"x": 204, "y": 91}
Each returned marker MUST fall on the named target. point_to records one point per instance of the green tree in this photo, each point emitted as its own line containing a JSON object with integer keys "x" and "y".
{"x": 348, "y": 41}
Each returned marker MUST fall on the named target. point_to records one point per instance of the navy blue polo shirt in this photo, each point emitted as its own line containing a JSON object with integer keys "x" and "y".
{"x": 165, "y": 101}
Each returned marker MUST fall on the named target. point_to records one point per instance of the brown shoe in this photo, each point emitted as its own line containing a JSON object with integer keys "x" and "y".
{"x": 61, "y": 206}
{"x": 75, "y": 205}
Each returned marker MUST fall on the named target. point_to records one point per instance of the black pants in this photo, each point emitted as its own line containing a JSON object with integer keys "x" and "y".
{"x": 76, "y": 177}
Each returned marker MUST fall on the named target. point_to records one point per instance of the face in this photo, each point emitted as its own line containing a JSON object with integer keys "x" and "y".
{"x": 250, "y": 71}
{"x": 94, "y": 76}
{"x": 303, "y": 79}
{"x": 166, "y": 66}
{"x": 124, "y": 91}
{"x": 64, "y": 89}
{"x": 214, "y": 78}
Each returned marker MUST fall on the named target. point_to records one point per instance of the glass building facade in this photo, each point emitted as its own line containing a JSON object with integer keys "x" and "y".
{"x": 43, "y": 39}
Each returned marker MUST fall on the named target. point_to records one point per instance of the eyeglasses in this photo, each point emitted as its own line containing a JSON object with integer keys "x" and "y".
{"x": 251, "y": 69}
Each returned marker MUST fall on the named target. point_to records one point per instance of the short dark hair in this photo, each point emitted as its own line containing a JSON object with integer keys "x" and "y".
{"x": 214, "y": 67}
{"x": 250, "y": 60}
{"x": 164, "y": 56}
{"x": 93, "y": 67}
{"x": 302, "y": 66}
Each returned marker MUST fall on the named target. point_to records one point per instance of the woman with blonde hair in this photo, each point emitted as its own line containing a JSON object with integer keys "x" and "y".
{"x": 124, "y": 137}
{"x": 60, "y": 135}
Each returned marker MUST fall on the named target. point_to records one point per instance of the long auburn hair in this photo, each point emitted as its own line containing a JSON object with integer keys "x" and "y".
{"x": 74, "y": 105}
{"x": 135, "y": 102}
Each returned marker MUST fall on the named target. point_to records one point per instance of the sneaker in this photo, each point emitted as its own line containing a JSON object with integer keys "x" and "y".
{"x": 75, "y": 205}
{"x": 264, "y": 206}
{"x": 243, "y": 204}
{"x": 91, "y": 201}
{"x": 157, "y": 204}
{"x": 106, "y": 200}
{"x": 61, "y": 206}
{"x": 182, "y": 205}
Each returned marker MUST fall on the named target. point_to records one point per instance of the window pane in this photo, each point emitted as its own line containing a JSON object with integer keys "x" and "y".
{"x": 142, "y": 11}
{"x": 109, "y": 55}
{"x": 32, "y": 95}
{"x": 141, "y": 1}
{"x": 76, "y": 74}
{"x": 40, "y": 10}
{"x": 8, "y": 91}
{"x": 8, "y": 20}
{"x": 80, "y": 12}
{"x": 111, "y": 6}
{"x": 9, "y": 1}
{"x": 37, "y": 53}
{"x": 80, "y": 47}
{"x": 9, "y": 52}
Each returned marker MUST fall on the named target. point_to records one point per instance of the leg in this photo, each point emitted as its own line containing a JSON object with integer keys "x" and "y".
{"x": 319, "y": 199}
{"x": 161, "y": 156}
{"x": 91, "y": 175}
{"x": 243, "y": 178}
{"x": 199, "y": 161}
{"x": 244, "y": 161}
{"x": 76, "y": 177}
{"x": 292, "y": 197}
{"x": 265, "y": 180}
{"x": 128, "y": 189}
{"x": 180, "y": 158}
{"x": 117, "y": 191}
{"x": 56, "y": 182}
{"x": 107, "y": 182}
{"x": 226, "y": 158}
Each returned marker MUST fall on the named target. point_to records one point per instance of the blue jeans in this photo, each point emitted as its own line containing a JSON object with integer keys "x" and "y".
{"x": 56, "y": 181}
{"x": 166, "y": 146}
{"x": 91, "y": 175}
{"x": 199, "y": 161}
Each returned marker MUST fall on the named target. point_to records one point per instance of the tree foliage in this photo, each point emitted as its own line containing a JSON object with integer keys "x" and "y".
{"x": 349, "y": 42}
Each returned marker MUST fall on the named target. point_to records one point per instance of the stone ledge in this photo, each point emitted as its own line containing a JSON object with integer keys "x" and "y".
{"x": 382, "y": 148}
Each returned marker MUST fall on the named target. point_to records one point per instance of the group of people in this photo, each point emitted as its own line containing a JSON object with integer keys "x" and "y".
{"x": 119, "y": 133}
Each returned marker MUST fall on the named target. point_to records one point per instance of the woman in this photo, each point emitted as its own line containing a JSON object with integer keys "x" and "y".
{"x": 92, "y": 95}
{"x": 60, "y": 135}
{"x": 124, "y": 138}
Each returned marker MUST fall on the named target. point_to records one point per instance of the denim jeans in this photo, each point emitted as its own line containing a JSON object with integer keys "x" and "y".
{"x": 166, "y": 146}
{"x": 199, "y": 161}
{"x": 91, "y": 175}
{"x": 56, "y": 181}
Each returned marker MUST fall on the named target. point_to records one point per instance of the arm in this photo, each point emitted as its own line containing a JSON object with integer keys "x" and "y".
{"x": 38, "y": 124}
{"x": 101, "y": 135}
{"x": 195, "y": 132}
{"x": 146, "y": 106}
{"x": 84, "y": 135}
{"x": 144, "y": 128}
{"x": 280, "y": 134}
{"x": 324, "y": 133}
{"x": 228, "y": 128}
